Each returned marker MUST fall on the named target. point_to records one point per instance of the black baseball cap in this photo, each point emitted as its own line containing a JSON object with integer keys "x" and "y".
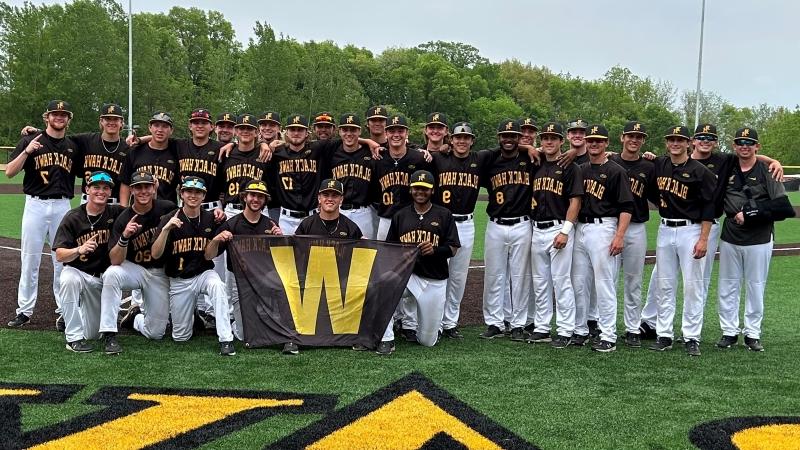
{"x": 634, "y": 127}
{"x": 746, "y": 133}
{"x": 100, "y": 177}
{"x": 508, "y": 126}
{"x": 397, "y": 121}
{"x": 437, "y": 118}
{"x": 161, "y": 116}
{"x": 200, "y": 114}
{"x": 553, "y": 128}
{"x": 270, "y": 116}
{"x": 142, "y": 177}
{"x": 528, "y": 122}
{"x": 377, "y": 112}
{"x": 111, "y": 110}
{"x": 350, "y": 120}
{"x": 192, "y": 182}
{"x": 296, "y": 121}
{"x": 597, "y": 131}
{"x": 422, "y": 178}
{"x": 226, "y": 117}
{"x": 705, "y": 129}
{"x": 59, "y": 105}
{"x": 324, "y": 118}
{"x": 577, "y": 124}
{"x": 678, "y": 131}
{"x": 246, "y": 120}
{"x": 331, "y": 185}
{"x": 462, "y": 128}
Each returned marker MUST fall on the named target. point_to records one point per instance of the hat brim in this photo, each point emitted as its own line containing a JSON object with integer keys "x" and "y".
{"x": 202, "y": 119}
{"x": 509, "y": 132}
{"x": 248, "y": 125}
{"x": 183, "y": 188}
{"x": 277, "y": 122}
{"x": 112, "y": 115}
{"x": 596, "y": 136}
{"x": 424, "y": 184}
{"x": 634, "y": 132}
{"x": 677, "y": 135}
{"x": 463, "y": 133}
{"x": 740, "y": 138}
{"x": 551, "y": 133}
{"x": 349, "y": 125}
{"x": 331, "y": 190}
{"x": 436, "y": 122}
{"x": 108, "y": 182}
{"x": 325, "y": 122}
{"x": 252, "y": 191}
{"x": 152, "y": 121}
{"x": 135, "y": 183}
{"x": 69, "y": 113}
{"x": 378, "y": 116}
{"x": 396, "y": 125}
{"x": 295, "y": 125}
{"x": 705, "y": 134}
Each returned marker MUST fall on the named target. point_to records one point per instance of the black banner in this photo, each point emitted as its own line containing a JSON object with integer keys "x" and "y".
{"x": 316, "y": 291}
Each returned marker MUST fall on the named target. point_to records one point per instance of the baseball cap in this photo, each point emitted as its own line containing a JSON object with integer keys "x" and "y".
{"x": 678, "y": 131}
{"x": 706, "y": 129}
{"x": 161, "y": 116}
{"x": 507, "y": 126}
{"x": 634, "y": 127}
{"x": 59, "y": 105}
{"x": 324, "y": 118}
{"x": 226, "y": 117}
{"x": 597, "y": 131}
{"x": 256, "y": 187}
{"x": 349, "y": 120}
{"x": 100, "y": 177}
{"x": 377, "y": 112}
{"x": 577, "y": 124}
{"x": 528, "y": 122}
{"x": 200, "y": 114}
{"x": 746, "y": 133}
{"x": 331, "y": 185}
{"x": 296, "y": 121}
{"x": 397, "y": 121}
{"x": 246, "y": 120}
{"x": 270, "y": 116}
{"x": 463, "y": 128}
{"x": 437, "y": 118}
{"x": 553, "y": 128}
{"x": 142, "y": 177}
{"x": 194, "y": 183}
{"x": 422, "y": 178}
{"x": 111, "y": 110}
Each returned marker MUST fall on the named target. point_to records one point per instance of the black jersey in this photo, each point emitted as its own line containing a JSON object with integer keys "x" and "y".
{"x": 641, "y": 174}
{"x": 184, "y": 251}
{"x": 435, "y": 226}
{"x": 606, "y": 190}
{"x": 50, "y": 170}
{"x": 458, "y": 180}
{"x": 139, "y": 247}
{"x": 100, "y": 155}
{"x": 238, "y": 225}
{"x": 552, "y": 187}
{"x": 683, "y": 191}
{"x": 162, "y": 164}
{"x": 239, "y": 168}
{"x": 340, "y": 228}
{"x": 761, "y": 187}
{"x": 390, "y": 187}
{"x": 300, "y": 173}
{"x": 508, "y": 182}
{"x": 201, "y": 161}
{"x": 580, "y": 159}
{"x": 77, "y": 227}
{"x": 354, "y": 170}
{"x": 721, "y": 165}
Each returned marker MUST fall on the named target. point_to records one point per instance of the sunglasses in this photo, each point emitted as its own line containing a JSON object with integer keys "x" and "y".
{"x": 704, "y": 138}
{"x": 744, "y": 142}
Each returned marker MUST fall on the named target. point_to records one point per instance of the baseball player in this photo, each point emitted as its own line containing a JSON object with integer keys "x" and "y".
{"x": 604, "y": 217}
{"x": 508, "y": 233}
{"x": 753, "y": 201}
{"x": 269, "y": 130}
{"x": 223, "y": 127}
{"x": 49, "y": 183}
{"x": 684, "y": 193}
{"x": 324, "y": 126}
{"x": 133, "y": 266}
{"x": 330, "y": 222}
{"x": 433, "y": 229}
{"x": 377, "y": 117}
{"x": 529, "y": 130}
{"x": 555, "y": 205}
{"x": 81, "y": 244}
{"x": 242, "y": 165}
{"x": 251, "y": 221}
{"x": 640, "y": 173}
{"x": 352, "y": 164}
{"x": 181, "y": 242}
{"x": 436, "y": 136}
{"x": 158, "y": 157}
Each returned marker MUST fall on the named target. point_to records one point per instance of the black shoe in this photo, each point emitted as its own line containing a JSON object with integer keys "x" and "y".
{"x": 604, "y": 347}
{"x": 19, "y": 321}
{"x": 540, "y": 338}
{"x": 385, "y": 348}
{"x": 360, "y": 348}
{"x": 290, "y": 348}
{"x": 227, "y": 349}
{"x": 752, "y": 344}
{"x": 518, "y": 334}
{"x": 409, "y": 335}
{"x": 452, "y": 333}
{"x": 207, "y": 320}
{"x": 397, "y": 326}
{"x": 647, "y": 332}
{"x": 692, "y": 347}
{"x": 491, "y": 332}
{"x": 633, "y": 340}
{"x": 506, "y": 327}
{"x": 80, "y": 346}
{"x": 661, "y": 344}
{"x": 594, "y": 330}
{"x": 679, "y": 340}
{"x": 530, "y": 327}
{"x": 61, "y": 325}
{"x": 579, "y": 340}
{"x": 110, "y": 344}
{"x": 727, "y": 341}
{"x": 130, "y": 317}
{"x": 560, "y": 341}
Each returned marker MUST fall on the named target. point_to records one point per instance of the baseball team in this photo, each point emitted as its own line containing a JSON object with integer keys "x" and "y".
{"x": 157, "y": 214}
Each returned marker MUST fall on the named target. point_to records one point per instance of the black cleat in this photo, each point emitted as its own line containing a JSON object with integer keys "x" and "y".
{"x": 80, "y": 346}
{"x": 452, "y": 333}
{"x": 61, "y": 325}
{"x": 518, "y": 334}
{"x": 19, "y": 321}
{"x": 409, "y": 335}
{"x": 227, "y": 349}
{"x": 560, "y": 341}
{"x": 385, "y": 348}
{"x": 661, "y": 344}
{"x": 692, "y": 347}
{"x": 530, "y": 327}
{"x": 110, "y": 344}
{"x": 130, "y": 317}
{"x": 579, "y": 340}
{"x": 647, "y": 332}
{"x": 594, "y": 330}
{"x": 360, "y": 348}
{"x": 491, "y": 332}
{"x": 604, "y": 347}
{"x": 540, "y": 338}
{"x": 290, "y": 348}
{"x": 633, "y": 340}
{"x": 727, "y": 341}
{"x": 753, "y": 344}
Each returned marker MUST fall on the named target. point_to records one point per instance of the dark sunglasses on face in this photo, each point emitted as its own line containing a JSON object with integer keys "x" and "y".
{"x": 744, "y": 142}
{"x": 706, "y": 138}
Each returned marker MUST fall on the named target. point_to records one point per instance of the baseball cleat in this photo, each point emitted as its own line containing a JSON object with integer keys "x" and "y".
{"x": 692, "y": 347}
{"x": 80, "y": 346}
{"x": 19, "y": 321}
{"x": 661, "y": 344}
{"x": 727, "y": 341}
{"x": 61, "y": 325}
{"x": 409, "y": 335}
{"x": 110, "y": 344}
{"x": 130, "y": 317}
{"x": 540, "y": 338}
{"x": 452, "y": 333}
{"x": 647, "y": 332}
{"x": 633, "y": 340}
{"x": 385, "y": 348}
{"x": 604, "y": 347}
{"x": 529, "y": 328}
{"x": 360, "y": 348}
{"x": 579, "y": 340}
{"x": 491, "y": 332}
{"x": 560, "y": 341}
{"x": 290, "y": 348}
{"x": 227, "y": 349}
{"x": 506, "y": 327}
{"x": 752, "y": 344}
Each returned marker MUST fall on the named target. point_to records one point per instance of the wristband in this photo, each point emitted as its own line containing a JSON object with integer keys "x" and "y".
{"x": 566, "y": 228}
{"x": 123, "y": 242}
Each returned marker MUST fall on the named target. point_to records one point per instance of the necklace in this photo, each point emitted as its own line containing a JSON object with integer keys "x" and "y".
{"x": 396, "y": 160}
{"x": 422, "y": 214}
{"x": 327, "y": 228}
{"x": 92, "y": 224}
{"x": 102, "y": 141}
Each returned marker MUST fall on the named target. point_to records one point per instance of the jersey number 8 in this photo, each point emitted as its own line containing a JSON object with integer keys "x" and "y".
{"x": 498, "y": 196}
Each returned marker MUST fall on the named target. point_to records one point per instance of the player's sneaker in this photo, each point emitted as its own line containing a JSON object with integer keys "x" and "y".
{"x": 227, "y": 349}
{"x": 290, "y": 348}
{"x": 385, "y": 348}
{"x": 130, "y": 317}
{"x": 360, "y": 348}
{"x": 207, "y": 320}
{"x": 692, "y": 347}
{"x": 491, "y": 332}
{"x": 579, "y": 340}
{"x": 727, "y": 341}
{"x": 647, "y": 332}
{"x": 604, "y": 346}
{"x": 560, "y": 341}
{"x": 19, "y": 321}
{"x": 517, "y": 334}
{"x": 452, "y": 333}
{"x": 753, "y": 344}
{"x": 661, "y": 344}
{"x": 594, "y": 330}
{"x": 633, "y": 340}
{"x": 80, "y": 346}
{"x": 110, "y": 344}
{"x": 409, "y": 335}
{"x": 530, "y": 327}
{"x": 540, "y": 338}
{"x": 61, "y": 325}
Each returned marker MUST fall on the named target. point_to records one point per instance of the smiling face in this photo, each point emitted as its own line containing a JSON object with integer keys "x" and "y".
{"x": 551, "y": 144}
{"x": 462, "y": 143}
{"x": 508, "y": 141}
{"x": 704, "y": 145}
{"x": 528, "y": 136}
{"x": 596, "y": 146}
{"x": 677, "y": 146}
{"x": 111, "y": 125}
{"x": 200, "y": 129}
{"x": 324, "y": 131}
{"x": 576, "y": 137}
{"x": 296, "y": 135}
{"x": 632, "y": 143}
{"x": 349, "y": 135}
{"x": 421, "y": 195}
{"x": 397, "y": 137}
{"x": 144, "y": 193}
{"x": 98, "y": 194}
{"x": 268, "y": 131}
{"x": 224, "y": 131}
{"x": 57, "y": 120}
{"x": 746, "y": 149}
{"x": 329, "y": 201}
{"x": 377, "y": 126}
{"x": 192, "y": 197}
{"x": 161, "y": 132}
{"x": 246, "y": 135}
{"x": 255, "y": 201}
{"x": 435, "y": 133}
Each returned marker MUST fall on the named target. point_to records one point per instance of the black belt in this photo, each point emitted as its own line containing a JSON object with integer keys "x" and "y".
{"x": 587, "y": 219}
{"x": 349, "y": 206}
{"x": 50, "y": 197}
{"x": 462, "y": 217}
{"x": 238, "y": 206}
{"x": 295, "y": 214}
{"x": 547, "y": 224}
{"x": 512, "y": 221}
{"x": 672, "y": 223}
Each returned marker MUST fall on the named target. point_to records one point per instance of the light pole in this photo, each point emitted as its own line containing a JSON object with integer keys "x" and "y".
{"x": 698, "y": 94}
{"x": 130, "y": 67}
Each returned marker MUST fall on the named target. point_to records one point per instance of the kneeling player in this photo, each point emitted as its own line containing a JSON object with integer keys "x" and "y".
{"x": 433, "y": 229}
{"x": 182, "y": 241}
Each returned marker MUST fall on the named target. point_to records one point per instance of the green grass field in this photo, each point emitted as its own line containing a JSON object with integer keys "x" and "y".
{"x": 556, "y": 399}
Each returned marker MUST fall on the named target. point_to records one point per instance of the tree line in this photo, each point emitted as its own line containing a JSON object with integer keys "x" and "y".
{"x": 190, "y": 58}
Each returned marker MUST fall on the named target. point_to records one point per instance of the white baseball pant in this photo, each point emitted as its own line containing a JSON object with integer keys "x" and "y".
{"x": 551, "y": 269}
{"x": 751, "y": 264}
{"x": 458, "y": 269}
{"x": 182, "y": 294}
{"x": 204, "y": 302}
{"x": 154, "y": 284}
{"x": 363, "y": 217}
{"x": 713, "y": 243}
{"x": 235, "y": 306}
{"x": 428, "y": 295}
{"x": 383, "y": 228}
{"x": 40, "y": 220}
{"x": 632, "y": 258}
{"x": 507, "y": 255}
{"x": 80, "y": 304}
{"x": 288, "y": 223}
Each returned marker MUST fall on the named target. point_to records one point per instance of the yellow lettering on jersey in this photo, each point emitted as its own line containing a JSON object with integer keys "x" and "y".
{"x": 160, "y": 172}
{"x": 297, "y": 165}
{"x": 548, "y": 184}
{"x": 672, "y": 186}
{"x": 637, "y": 187}
{"x": 53, "y": 159}
{"x": 462, "y": 179}
{"x": 145, "y": 239}
{"x": 417, "y": 236}
{"x": 100, "y": 236}
{"x": 409, "y": 421}
{"x": 190, "y": 244}
{"x": 198, "y": 166}
{"x": 170, "y": 416}
{"x": 350, "y": 170}
{"x": 510, "y": 177}
{"x": 243, "y": 170}
{"x": 593, "y": 188}
{"x": 323, "y": 270}
{"x": 103, "y": 162}
{"x": 394, "y": 179}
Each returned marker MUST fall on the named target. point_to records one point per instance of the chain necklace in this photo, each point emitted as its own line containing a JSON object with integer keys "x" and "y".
{"x": 325, "y": 224}
{"x": 92, "y": 224}
{"x": 103, "y": 141}
{"x": 422, "y": 214}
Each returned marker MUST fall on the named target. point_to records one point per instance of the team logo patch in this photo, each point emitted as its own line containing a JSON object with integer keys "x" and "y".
{"x": 685, "y": 175}
{"x": 522, "y": 164}
{"x": 212, "y": 153}
{"x": 710, "y": 166}
{"x": 747, "y": 433}
{"x": 69, "y": 150}
{"x": 473, "y": 165}
{"x": 122, "y": 153}
{"x": 169, "y": 161}
{"x": 436, "y": 224}
{"x": 367, "y": 158}
{"x": 558, "y": 172}
{"x": 307, "y": 152}
{"x": 412, "y": 166}
{"x": 642, "y": 175}
{"x": 342, "y": 233}
{"x": 207, "y": 230}
{"x": 110, "y": 221}
{"x": 602, "y": 175}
